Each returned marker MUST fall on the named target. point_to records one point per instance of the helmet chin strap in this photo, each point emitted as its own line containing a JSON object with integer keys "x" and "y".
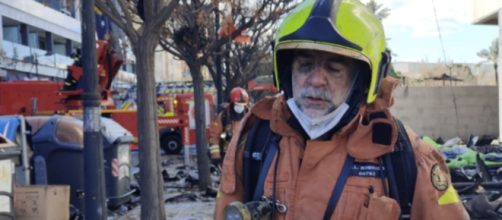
{"x": 316, "y": 127}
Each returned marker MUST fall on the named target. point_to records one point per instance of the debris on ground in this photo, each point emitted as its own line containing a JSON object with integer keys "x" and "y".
{"x": 476, "y": 173}
{"x": 183, "y": 199}
{"x": 180, "y": 211}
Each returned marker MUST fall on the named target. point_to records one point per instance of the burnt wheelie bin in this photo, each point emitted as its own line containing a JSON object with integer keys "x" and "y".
{"x": 58, "y": 157}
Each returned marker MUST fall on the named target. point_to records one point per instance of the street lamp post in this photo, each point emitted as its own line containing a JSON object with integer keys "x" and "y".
{"x": 499, "y": 70}
{"x": 94, "y": 187}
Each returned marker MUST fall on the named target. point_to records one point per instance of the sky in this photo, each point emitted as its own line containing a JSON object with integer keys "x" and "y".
{"x": 412, "y": 31}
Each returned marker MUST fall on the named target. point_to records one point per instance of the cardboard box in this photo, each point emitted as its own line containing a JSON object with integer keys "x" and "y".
{"x": 42, "y": 202}
{"x": 6, "y": 177}
{"x": 8, "y": 154}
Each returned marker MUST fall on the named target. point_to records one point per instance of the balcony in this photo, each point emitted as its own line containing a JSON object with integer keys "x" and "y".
{"x": 486, "y": 11}
{"x": 37, "y": 62}
{"x": 18, "y": 57}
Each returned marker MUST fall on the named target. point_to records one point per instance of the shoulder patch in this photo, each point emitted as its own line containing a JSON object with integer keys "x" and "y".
{"x": 438, "y": 178}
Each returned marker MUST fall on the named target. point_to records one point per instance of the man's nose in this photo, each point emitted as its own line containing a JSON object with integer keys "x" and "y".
{"x": 317, "y": 76}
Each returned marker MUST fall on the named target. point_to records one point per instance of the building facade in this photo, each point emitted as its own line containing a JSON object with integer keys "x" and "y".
{"x": 489, "y": 12}
{"x": 38, "y": 37}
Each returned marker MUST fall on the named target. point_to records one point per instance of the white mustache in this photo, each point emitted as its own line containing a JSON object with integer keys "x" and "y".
{"x": 310, "y": 92}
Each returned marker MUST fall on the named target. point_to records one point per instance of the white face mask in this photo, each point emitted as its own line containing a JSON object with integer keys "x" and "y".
{"x": 315, "y": 127}
{"x": 239, "y": 108}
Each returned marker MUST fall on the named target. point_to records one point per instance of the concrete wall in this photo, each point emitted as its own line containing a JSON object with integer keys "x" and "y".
{"x": 468, "y": 74}
{"x": 448, "y": 112}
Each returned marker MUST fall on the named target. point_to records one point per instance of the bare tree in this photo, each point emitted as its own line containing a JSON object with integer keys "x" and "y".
{"x": 244, "y": 59}
{"x": 491, "y": 56}
{"x": 377, "y": 9}
{"x": 144, "y": 33}
{"x": 192, "y": 35}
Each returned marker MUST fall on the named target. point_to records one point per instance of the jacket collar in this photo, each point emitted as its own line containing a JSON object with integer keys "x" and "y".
{"x": 370, "y": 134}
{"x": 373, "y": 132}
{"x": 276, "y": 111}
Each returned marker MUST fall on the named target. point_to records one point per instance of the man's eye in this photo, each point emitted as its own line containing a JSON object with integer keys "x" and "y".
{"x": 333, "y": 69}
{"x": 305, "y": 67}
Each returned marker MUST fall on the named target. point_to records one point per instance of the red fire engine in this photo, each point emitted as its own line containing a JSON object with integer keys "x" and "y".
{"x": 176, "y": 121}
{"x": 45, "y": 98}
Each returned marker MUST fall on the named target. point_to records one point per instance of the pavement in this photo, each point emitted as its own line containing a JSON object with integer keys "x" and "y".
{"x": 180, "y": 211}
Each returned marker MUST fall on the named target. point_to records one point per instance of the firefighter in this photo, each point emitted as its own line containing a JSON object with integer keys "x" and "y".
{"x": 71, "y": 81}
{"x": 328, "y": 147}
{"x": 227, "y": 122}
{"x": 161, "y": 104}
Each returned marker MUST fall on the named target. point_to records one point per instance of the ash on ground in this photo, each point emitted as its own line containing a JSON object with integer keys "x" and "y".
{"x": 183, "y": 199}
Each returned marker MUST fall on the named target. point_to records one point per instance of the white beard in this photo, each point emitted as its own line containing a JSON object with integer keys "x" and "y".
{"x": 315, "y": 127}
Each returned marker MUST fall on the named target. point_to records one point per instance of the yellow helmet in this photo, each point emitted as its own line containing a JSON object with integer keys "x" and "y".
{"x": 344, "y": 27}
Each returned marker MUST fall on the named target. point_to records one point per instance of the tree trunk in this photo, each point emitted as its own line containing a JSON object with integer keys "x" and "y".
{"x": 219, "y": 71}
{"x": 495, "y": 66}
{"x": 152, "y": 192}
{"x": 230, "y": 84}
{"x": 218, "y": 84}
{"x": 219, "y": 93}
{"x": 200, "y": 126}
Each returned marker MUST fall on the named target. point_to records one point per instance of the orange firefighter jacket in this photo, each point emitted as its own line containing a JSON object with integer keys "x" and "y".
{"x": 308, "y": 169}
{"x": 218, "y": 127}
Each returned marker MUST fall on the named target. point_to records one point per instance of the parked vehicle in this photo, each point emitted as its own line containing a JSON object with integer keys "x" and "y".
{"x": 47, "y": 98}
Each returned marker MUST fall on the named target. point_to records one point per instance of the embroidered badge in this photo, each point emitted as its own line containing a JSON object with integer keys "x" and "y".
{"x": 438, "y": 178}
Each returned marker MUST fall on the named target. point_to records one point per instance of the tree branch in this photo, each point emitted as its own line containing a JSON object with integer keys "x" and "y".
{"x": 127, "y": 14}
{"x": 148, "y": 11}
{"x": 164, "y": 13}
{"x": 239, "y": 30}
{"x": 168, "y": 47}
{"x": 112, "y": 13}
